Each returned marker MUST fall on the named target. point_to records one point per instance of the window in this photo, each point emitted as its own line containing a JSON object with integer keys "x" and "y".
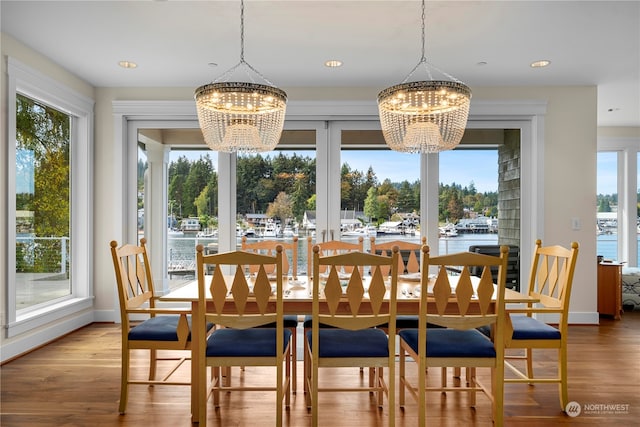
{"x": 49, "y": 165}
{"x": 607, "y": 199}
{"x": 617, "y": 199}
{"x": 42, "y": 204}
{"x": 468, "y": 199}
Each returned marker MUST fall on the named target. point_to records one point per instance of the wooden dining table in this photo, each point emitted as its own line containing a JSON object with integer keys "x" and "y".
{"x": 298, "y": 300}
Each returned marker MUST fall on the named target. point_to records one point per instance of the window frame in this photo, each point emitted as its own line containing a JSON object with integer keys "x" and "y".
{"x": 30, "y": 83}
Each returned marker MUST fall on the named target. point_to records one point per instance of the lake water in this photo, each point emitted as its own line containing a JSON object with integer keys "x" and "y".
{"x": 182, "y": 248}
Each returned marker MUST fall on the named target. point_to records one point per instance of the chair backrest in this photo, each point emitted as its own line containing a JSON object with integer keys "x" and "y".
{"x": 551, "y": 277}
{"x": 229, "y": 299}
{"x": 268, "y": 247}
{"x": 513, "y": 265}
{"x": 133, "y": 277}
{"x": 409, "y": 261}
{"x": 332, "y": 247}
{"x": 354, "y": 316}
{"x": 478, "y": 301}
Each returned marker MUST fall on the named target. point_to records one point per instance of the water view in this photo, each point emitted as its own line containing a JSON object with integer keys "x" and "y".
{"x": 182, "y": 248}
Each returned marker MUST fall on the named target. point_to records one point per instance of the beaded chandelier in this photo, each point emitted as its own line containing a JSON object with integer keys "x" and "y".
{"x": 241, "y": 116}
{"x": 424, "y": 116}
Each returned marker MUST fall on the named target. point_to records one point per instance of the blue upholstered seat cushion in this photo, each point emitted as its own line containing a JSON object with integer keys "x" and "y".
{"x": 335, "y": 342}
{"x": 159, "y": 328}
{"x": 443, "y": 342}
{"x": 252, "y": 342}
{"x": 528, "y": 328}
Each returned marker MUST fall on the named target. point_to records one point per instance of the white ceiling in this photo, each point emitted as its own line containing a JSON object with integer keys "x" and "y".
{"x": 173, "y": 41}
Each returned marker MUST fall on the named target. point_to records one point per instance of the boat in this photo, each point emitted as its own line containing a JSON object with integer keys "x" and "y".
{"x": 250, "y": 233}
{"x": 190, "y": 225}
{"x": 208, "y": 234}
{"x": 270, "y": 230}
{"x": 288, "y": 232}
{"x": 171, "y": 232}
{"x": 448, "y": 230}
{"x": 369, "y": 231}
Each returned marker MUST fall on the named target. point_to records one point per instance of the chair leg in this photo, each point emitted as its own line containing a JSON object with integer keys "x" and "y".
{"x": 529, "y": 357}
{"x": 380, "y": 379}
{"x": 153, "y": 357}
{"x": 563, "y": 389}
{"x": 124, "y": 380}
{"x": 401, "y": 374}
{"x": 216, "y": 382}
{"x": 472, "y": 383}
{"x": 293, "y": 357}
{"x": 287, "y": 400}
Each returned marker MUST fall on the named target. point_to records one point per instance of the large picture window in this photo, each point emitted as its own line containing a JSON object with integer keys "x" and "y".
{"x": 49, "y": 204}
{"x": 42, "y": 203}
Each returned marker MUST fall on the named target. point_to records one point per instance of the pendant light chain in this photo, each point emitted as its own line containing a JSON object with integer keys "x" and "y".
{"x": 424, "y": 116}
{"x": 242, "y": 32}
{"x": 241, "y": 116}
{"x": 424, "y": 58}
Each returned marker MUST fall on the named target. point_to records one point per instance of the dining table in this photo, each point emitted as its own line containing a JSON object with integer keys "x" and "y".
{"x": 297, "y": 299}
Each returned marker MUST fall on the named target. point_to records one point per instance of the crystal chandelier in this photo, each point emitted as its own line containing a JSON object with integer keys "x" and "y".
{"x": 241, "y": 116}
{"x": 424, "y": 116}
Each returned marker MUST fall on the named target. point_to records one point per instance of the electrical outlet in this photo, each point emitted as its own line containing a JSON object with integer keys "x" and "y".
{"x": 576, "y": 224}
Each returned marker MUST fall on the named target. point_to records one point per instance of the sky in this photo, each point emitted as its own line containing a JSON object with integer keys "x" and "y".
{"x": 457, "y": 166}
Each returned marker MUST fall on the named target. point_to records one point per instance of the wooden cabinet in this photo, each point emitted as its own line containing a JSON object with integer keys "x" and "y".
{"x": 610, "y": 289}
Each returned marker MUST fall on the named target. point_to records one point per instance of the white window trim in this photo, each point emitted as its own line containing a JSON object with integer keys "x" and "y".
{"x": 33, "y": 84}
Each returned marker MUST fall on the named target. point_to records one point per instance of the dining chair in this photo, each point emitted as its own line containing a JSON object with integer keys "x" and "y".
{"x": 458, "y": 343}
{"x": 162, "y": 328}
{"x": 238, "y": 309}
{"x": 352, "y": 312}
{"x": 408, "y": 265}
{"x": 330, "y": 247}
{"x": 290, "y": 251}
{"x": 409, "y": 261}
{"x": 550, "y": 282}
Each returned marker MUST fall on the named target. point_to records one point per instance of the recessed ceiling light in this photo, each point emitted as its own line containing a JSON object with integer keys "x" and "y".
{"x": 540, "y": 64}
{"x": 127, "y": 64}
{"x": 333, "y": 63}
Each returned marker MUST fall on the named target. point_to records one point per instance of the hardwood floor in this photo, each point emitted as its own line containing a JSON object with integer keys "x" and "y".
{"x": 75, "y": 380}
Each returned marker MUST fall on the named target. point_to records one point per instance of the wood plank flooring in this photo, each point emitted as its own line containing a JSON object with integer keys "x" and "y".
{"x": 74, "y": 381}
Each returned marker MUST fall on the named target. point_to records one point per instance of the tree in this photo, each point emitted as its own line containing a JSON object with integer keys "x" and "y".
{"x": 281, "y": 208}
{"x": 43, "y": 166}
{"x": 371, "y": 204}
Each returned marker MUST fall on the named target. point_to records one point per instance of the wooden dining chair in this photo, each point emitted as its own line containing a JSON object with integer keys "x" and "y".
{"x": 268, "y": 247}
{"x": 290, "y": 252}
{"x": 331, "y": 247}
{"x": 550, "y": 282}
{"x": 352, "y": 312}
{"x": 408, "y": 263}
{"x": 162, "y": 328}
{"x": 458, "y": 343}
{"x": 239, "y": 310}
